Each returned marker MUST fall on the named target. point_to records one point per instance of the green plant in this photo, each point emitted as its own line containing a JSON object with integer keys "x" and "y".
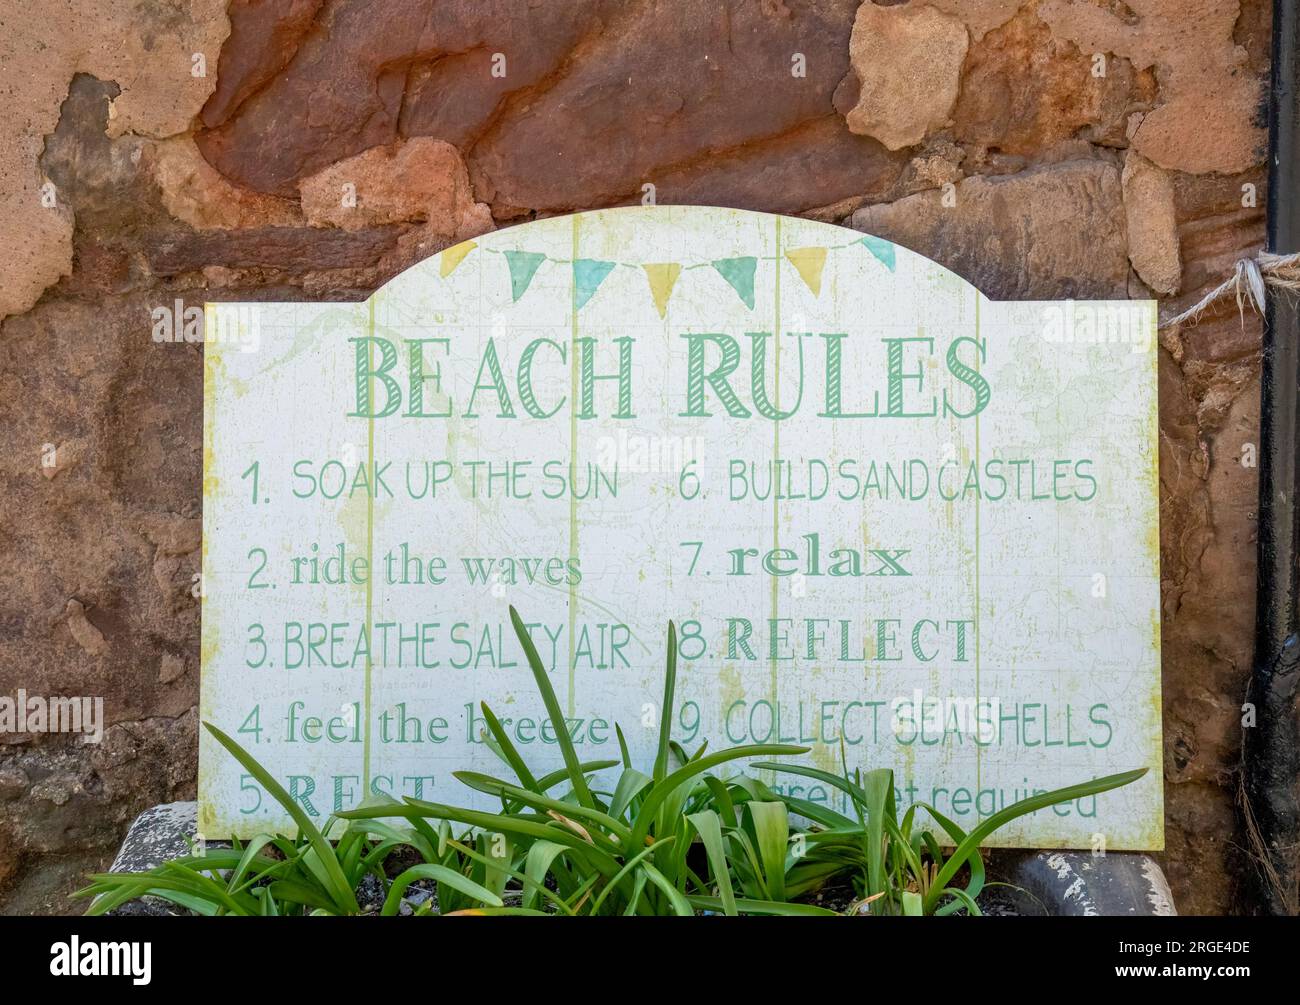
{"x": 309, "y": 874}
{"x": 674, "y": 840}
{"x": 899, "y": 866}
{"x": 581, "y": 851}
{"x": 627, "y": 851}
{"x": 270, "y": 875}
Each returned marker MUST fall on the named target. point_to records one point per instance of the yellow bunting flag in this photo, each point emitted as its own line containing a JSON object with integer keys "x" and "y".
{"x": 808, "y": 262}
{"x": 453, "y": 256}
{"x": 663, "y": 277}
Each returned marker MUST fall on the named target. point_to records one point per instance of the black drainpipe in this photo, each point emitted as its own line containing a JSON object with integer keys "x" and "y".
{"x": 1271, "y": 748}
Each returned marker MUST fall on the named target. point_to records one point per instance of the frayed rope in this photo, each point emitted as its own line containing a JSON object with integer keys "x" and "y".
{"x": 1247, "y": 283}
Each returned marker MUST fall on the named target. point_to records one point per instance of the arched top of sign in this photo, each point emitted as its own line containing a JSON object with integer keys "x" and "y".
{"x": 660, "y": 254}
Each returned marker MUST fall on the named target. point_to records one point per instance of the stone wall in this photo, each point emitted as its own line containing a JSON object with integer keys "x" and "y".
{"x": 163, "y": 151}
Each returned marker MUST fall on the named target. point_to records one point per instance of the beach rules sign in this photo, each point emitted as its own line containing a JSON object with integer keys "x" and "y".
{"x": 894, "y": 522}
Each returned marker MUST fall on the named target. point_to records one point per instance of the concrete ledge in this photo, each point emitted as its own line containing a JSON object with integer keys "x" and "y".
{"x": 1078, "y": 884}
{"x": 157, "y": 835}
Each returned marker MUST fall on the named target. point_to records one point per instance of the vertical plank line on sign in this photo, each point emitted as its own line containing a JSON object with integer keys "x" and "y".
{"x": 776, "y": 443}
{"x": 370, "y": 539}
{"x": 573, "y": 458}
{"x": 979, "y": 761}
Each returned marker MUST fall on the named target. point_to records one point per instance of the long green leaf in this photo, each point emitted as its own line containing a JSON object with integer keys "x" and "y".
{"x": 496, "y": 868}
{"x": 709, "y": 827}
{"x": 493, "y": 912}
{"x": 810, "y": 873}
{"x": 253, "y": 851}
{"x": 632, "y": 863}
{"x": 817, "y": 813}
{"x": 771, "y": 826}
{"x": 630, "y": 784}
{"x": 638, "y": 888}
{"x": 976, "y": 836}
{"x": 661, "y": 791}
{"x": 508, "y": 750}
{"x": 580, "y": 788}
{"x": 491, "y": 785}
{"x": 536, "y": 866}
{"x": 505, "y": 823}
{"x": 493, "y": 864}
{"x": 300, "y": 893}
{"x": 680, "y": 905}
{"x": 749, "y": 906}
{"x": 879, "y": 786}
{"x": 964, "y": 899}
{"x": 958, "y": 835}
{"x": 666, "y": 712}
{"x": 622, "y": 746}
{"x": 553, "y": 779}
{"x": 854, "y": 792}
{"x": 430, "y": 870}
{"x": 340, "y": 890}
{"x": 722, "y": 801}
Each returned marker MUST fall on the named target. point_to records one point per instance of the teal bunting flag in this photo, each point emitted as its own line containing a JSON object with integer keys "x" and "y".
{"x": 523, "y": 266}
{"x": 588, "y": 274}
{"x": 739, "y": 273}
{"x": 883, "y": 250}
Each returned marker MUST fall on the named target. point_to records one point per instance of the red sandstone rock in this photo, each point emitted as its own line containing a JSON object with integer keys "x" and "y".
{"x": 362, "y": 68}
{"x": 907, "y": 61}
{"x": 1051, "y": 232}
{"x": 1152, "y": 226}
{"x": 643, "y": 91}
{"x": 1024, "y": 90}
{"x": 1207, "y": 118}
{"x": 980, "y": 16}
{"x": 422, "y": 181}
{"x": 195, "y": 192}
{"x": 147, "y": 50}
{"x": 264, "y": 36}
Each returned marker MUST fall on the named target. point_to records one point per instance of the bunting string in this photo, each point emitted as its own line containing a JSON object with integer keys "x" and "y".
{"x": 1247, "y": 283}
{"x": 738, "y": 272}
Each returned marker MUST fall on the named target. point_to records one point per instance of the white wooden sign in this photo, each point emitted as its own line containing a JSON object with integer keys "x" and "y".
{"x": 888, "y": 515}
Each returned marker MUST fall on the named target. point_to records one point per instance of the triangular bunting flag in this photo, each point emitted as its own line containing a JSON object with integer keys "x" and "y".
{"x": 883, "y": 250}
{"x": 808, "y": 262}
{"x": 663, "y": 277}
{"x": 523, "y": 266}
{"x": 588, "y": 274}
{"x": 453, "y": 256}
{"x": 739, "y": 272}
